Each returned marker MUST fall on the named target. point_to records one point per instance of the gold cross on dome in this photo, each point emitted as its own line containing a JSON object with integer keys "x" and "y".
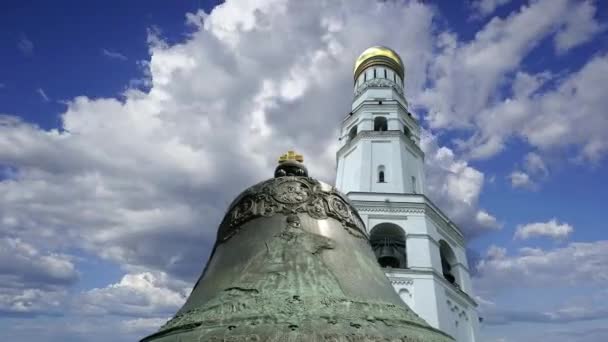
{"x": 291, "y": 155}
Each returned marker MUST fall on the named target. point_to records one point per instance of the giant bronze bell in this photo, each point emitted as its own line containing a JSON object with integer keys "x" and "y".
{"x": 292, "y": 262}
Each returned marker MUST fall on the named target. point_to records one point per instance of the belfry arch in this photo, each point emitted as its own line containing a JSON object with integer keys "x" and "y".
{"x": 448, "y": 262}
{"x": 380, "y": 124}
{"x": 388, "y": 243}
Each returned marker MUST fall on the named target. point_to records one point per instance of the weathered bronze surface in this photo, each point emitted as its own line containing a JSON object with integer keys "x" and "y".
{"x": 292, "y": 262}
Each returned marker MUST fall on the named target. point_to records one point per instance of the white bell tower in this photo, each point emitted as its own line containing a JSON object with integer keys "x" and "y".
{"x": 379, "y": 138}
{"x": 381, "y": 170}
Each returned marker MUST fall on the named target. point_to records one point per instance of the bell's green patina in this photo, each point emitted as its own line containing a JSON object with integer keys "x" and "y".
{"x": 292, "y": 262}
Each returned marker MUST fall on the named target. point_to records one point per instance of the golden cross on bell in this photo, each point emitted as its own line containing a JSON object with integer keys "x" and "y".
{"x": 291, "y": 155}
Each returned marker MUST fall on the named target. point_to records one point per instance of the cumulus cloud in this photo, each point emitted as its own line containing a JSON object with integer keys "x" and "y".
{"x": 487, "y": 220}
{"x": 561, "y": 118}
{"x": 143, "y": 179}
{"x": 534, "y": 267}
{"x": 563, "y": 310}
{"x": 32, "y": 282}
{"x": 536, "y": 171}
{"x": 561, "y": 315}
{"x": 579, "y": 27}
{"x": 455, "y": 186}
{"x": 521, "y": 179}
{"x": 141, "y": 295}
{"x": 552, "y": 229}
{"x": 143, "y": 326}
{"x": 545, "y": 119}
{"x": 535, "y": 164}
{"x": 33, "y": 267}
{"x": 32, "y": 302}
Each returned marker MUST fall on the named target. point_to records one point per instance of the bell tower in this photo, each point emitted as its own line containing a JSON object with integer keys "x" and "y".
{"x": 379, "y": 142}
{"x": 380, "y": 167}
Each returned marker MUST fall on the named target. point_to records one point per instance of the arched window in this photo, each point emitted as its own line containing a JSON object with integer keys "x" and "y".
{"x": 380, "y": 123}
{"x": 374, "y": 73}
{"x": 385, "y": 73}
{"x": 381, "y": 178}
{"x": 448, "y": 260}
{"x": 352, "y": 133}
{"x": 388, "y": 243}
{"x": 407, "y": 132}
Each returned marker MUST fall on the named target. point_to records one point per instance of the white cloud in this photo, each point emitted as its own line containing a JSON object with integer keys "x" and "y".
{"x": 32, "y": 302}
{"x": 578, "y": 263}
{"x": 534, "y": 164}
{"x": 25, "y": 45}
{"x": 143, "y": 326}
{"x": 32, "y": 282}
{"x": 535, "y": 171}
{"x": 499, "y": 316}
{"x": 578, "y": 308}
{"x": 143, "y": 180}
{"x": 580, "y": 27}
{"x": 114, "y": 55}
{"x": 23, "y": 265}
{"x": 477, "y": 67}
{"x": 563, "y": 118}
{"x": 483, "y": 8}
{"x": 521, "y": 179}
{"x": 543, "y": 117}
{"x": 487, "y": 220}
{"x": 43, "y": 95}
{"x": 525, "y": 85}
{"x": 455, "y": 186}
{"x": 141, "y": 295}
{"x": 552, "y": 229}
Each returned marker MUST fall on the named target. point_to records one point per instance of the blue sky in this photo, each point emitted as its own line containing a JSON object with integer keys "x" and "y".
{"x": 124, "y": 130}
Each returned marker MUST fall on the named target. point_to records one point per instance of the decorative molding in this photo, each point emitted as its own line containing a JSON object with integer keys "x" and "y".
{"x": 378, "y": 83}
{"x": 372, "y": 209}
{"x": 290, "y": 195}
{"x": 401, "y": 281}
{"x": 372, "y": 216}
{"x": 450, "y": 290}
{"x": 387, "y": 104}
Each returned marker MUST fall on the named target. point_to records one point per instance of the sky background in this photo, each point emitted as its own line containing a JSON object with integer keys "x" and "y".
{"x": 126, "y": 128}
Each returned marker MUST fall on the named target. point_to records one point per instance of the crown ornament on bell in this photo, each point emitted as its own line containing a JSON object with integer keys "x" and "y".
{"x": 292, "y": 262}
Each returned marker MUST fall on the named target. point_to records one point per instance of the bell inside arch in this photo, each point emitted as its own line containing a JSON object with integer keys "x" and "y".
{"x": 388, "y": 242}
{"x": 292, "y": 262}
{"x": 388, "y": 257}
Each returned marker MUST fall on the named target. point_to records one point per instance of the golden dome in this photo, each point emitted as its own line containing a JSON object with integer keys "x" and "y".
{"x": 379, "y": 55}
